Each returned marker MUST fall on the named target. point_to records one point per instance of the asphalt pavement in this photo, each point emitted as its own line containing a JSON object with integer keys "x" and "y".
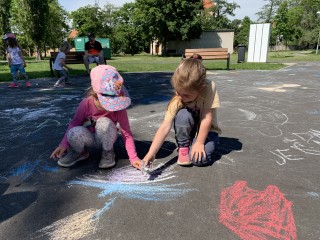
{"x": 264, "y": 183}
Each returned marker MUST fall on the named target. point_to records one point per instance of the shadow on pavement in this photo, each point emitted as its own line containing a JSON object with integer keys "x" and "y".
{"x": 226, "y": 145}
{"x": 13, "y": 203}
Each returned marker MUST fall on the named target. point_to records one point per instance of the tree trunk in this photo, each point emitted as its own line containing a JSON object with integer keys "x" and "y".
{"x": 38, "y": 53}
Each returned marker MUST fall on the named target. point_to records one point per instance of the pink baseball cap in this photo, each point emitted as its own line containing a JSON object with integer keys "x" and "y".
{"x": 107, "y": 83}
{"x": 9, "y": 35}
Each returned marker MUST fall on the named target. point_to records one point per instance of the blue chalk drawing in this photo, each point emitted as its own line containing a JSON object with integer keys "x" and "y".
{"x": 106, "y": 207}
{"x": 314, "y": 195}
{"x": 158, "y": 192}
{"x": 314, "y": 112}
{"x": 129, "y": 184}
{"x": 27, "y": 169}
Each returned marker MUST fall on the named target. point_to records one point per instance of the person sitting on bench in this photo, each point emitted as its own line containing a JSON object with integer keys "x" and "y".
{"x": 93, "y": 52}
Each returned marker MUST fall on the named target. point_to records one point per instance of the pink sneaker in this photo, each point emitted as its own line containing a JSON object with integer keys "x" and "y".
{"x": 28, "y": 84}
{"x": 183, "y": 158}
{"x": 13, "y": 85}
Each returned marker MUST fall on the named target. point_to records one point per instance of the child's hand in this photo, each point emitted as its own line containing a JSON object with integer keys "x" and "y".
{"x": 58, "y": 152}
{"x": 197, "y": 151}
{"x": 137, "y": 164}
{"x": 148, "y": 160}
{"x": 25, "y": 65}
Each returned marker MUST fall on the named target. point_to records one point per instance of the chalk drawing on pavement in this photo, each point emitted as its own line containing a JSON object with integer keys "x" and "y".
{"x": 256, "y": 215}
{"x": 127, "y": 183}
{"x": 76, "y": 226}
{"x": 280, "y": 88}
{"x": 298, "y": 146}
{"x": 264, "y": 120}
{"x": 124, "y": 182}
{"x": 27, "y": 169}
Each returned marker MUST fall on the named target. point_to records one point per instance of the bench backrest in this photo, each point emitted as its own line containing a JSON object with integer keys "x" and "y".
{"x": 70, "y": 56}
{"x": 208, "y": 53}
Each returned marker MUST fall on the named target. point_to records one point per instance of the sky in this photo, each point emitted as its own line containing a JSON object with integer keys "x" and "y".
{"x": 247, "y": 7}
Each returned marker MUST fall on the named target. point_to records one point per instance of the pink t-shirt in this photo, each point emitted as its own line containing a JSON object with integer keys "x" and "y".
{"x": 87, "y": 110}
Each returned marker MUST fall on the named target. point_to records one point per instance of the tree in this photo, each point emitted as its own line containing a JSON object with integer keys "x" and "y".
{"x": 242, "y": 33}
{"x": 108, "y": 21}
{"x": 4, "y": 20}
{"x": 57, "y": 26}
{"x": 282, "y": 29}
{"x": 128, "y": 37}
{"x": 268, "y": 11}
{"x": 216, "y": 17}
{"x": 88, "y": 19}
{"x": 30, "y": 17}
{"x": 169, "y": 20}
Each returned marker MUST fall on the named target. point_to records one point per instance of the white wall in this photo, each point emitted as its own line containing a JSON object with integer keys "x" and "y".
{"x": 208, "y": 39}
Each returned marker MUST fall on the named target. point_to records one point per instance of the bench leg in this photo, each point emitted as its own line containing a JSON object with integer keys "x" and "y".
{"x": 51, "y": 63}
{"x": 228, "y": 62}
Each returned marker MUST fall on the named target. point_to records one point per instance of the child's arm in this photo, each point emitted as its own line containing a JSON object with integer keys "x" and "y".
{"x": 9, "y": 59}
{"x": 22, "y": 57}
{"x": 78, "y": 120}
{"x": 63, "y": 63}
{"x": 158, "y": 140}
{"x": 205, "y": 125}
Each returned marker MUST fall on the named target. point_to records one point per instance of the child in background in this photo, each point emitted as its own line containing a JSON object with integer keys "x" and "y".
{"x": 16, "y": 60}
{"x": 193, "y": 113}
{"x": 60, "y": 65}
{"x": 94, "y": 123}
{"x": 196, "y": 56}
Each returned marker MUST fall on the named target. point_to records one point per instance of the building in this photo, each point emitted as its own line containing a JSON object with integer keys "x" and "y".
{"x": 208, "y": 39}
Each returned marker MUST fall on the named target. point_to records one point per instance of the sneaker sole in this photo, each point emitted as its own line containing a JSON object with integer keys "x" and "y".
{"x": 184, "y": 163}
{"x": 107, "y": 166}
{"x": 73, "y": 163}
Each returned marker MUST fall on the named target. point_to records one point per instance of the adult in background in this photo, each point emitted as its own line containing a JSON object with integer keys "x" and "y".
{"x": 93, "y": 52}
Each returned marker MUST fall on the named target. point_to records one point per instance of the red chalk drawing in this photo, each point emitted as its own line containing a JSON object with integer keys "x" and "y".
{"x": 257, "y": 215}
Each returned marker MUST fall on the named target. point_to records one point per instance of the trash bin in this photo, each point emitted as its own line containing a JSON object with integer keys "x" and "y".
{"x": 241, "y": 53}
{"x": 79, "y": 43}
{"x": 107, "y": 53}
{"x": 105, "y": 42}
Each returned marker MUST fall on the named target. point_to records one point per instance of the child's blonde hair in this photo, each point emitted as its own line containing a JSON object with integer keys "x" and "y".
{"x": 64, "y": 46}
{"x": 90, "y": 92}
{"x": 190, "y": 76}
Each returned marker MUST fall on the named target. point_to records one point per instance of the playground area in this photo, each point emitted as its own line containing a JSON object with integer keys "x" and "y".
{"x": 264, "y": 183}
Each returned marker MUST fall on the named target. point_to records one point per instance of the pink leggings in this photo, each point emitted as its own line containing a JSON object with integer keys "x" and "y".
{"x": 105, "y": 136}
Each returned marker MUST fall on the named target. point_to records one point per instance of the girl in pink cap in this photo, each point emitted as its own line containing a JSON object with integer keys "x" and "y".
{"x": 16, "y": 60}
{"x": 94, "y": 123}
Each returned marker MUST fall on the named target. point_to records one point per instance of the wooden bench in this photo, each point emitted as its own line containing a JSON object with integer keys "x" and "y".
{"x": 209, "y": 54}
{"x": 71, "y": 58}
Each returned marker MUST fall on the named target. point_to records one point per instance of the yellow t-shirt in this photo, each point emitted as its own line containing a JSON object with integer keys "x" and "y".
{"x": 207, "y": 99}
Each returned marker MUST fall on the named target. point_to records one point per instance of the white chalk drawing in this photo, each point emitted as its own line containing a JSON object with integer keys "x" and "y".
{"x": 264, "y": 120}
{"x": 125, "y": 182}
{"x": 74, "y": 227}
{"x": 279, "y": 88}
{"x": 299, "y": 145}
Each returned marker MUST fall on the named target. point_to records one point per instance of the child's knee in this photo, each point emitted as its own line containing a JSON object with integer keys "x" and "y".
{"x": 75, "y": 132}
{"x": 205, "y": 161}
{"x": 105, "y": 124}
{"x": 183, "y": 116}
{"x": 104, "y": 121}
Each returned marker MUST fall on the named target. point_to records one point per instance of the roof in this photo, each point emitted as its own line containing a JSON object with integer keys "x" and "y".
{"x": 73, "y": 34}
{"x": 208, "y": 4}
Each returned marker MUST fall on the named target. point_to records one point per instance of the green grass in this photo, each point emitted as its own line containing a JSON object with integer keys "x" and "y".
{"x": 146, "y": 63}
